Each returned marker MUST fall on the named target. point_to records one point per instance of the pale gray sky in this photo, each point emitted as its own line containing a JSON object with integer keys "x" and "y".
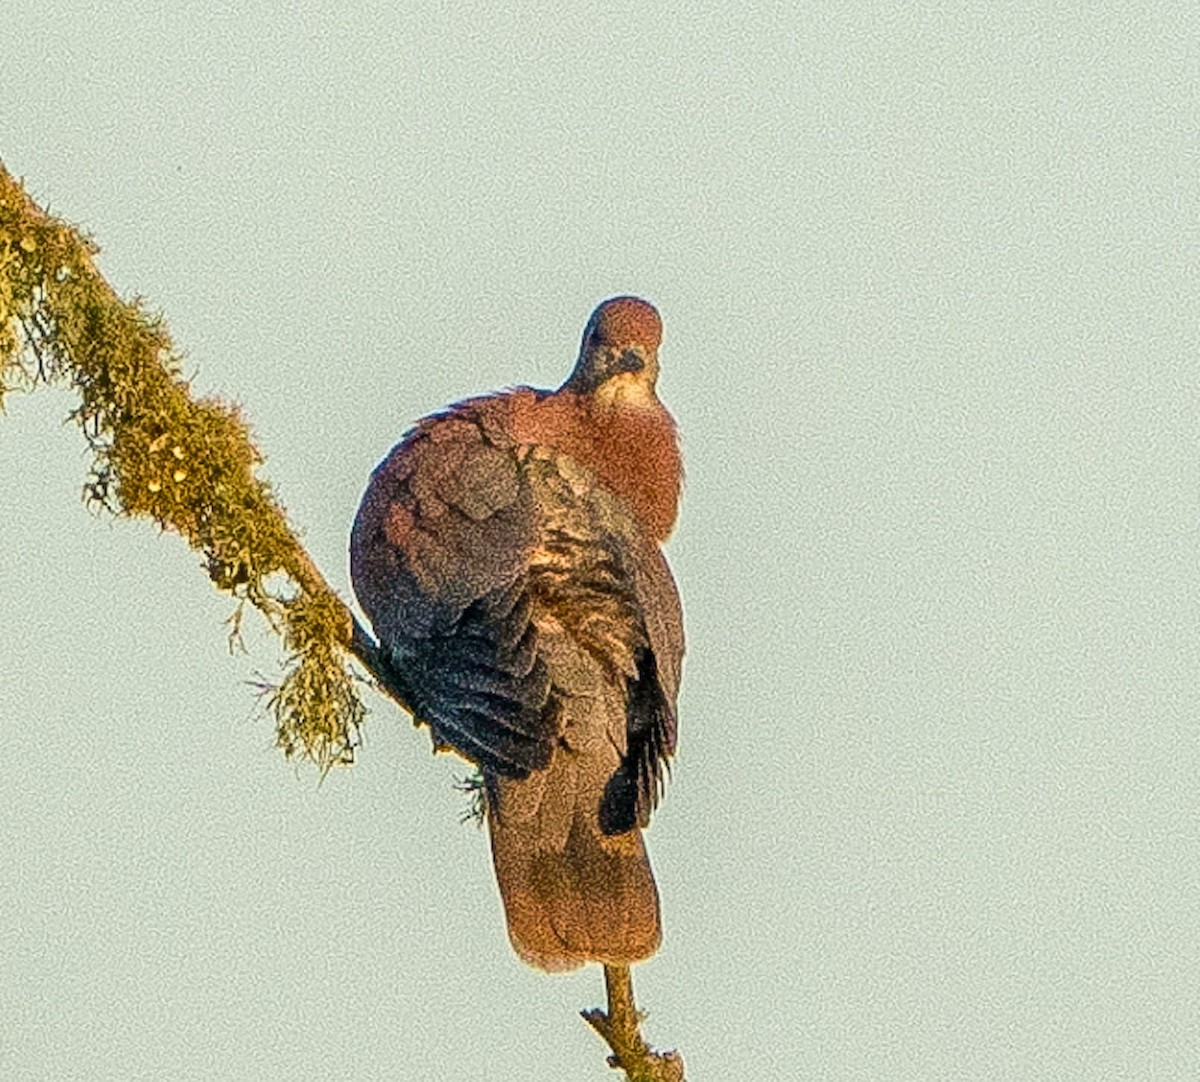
{"x": 929, "y": 275}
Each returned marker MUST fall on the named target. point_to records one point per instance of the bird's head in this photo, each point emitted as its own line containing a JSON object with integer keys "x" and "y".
{"x": 618, "y": 358}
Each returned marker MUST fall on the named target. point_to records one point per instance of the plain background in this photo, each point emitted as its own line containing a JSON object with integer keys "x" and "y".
{"x": 929, "y": 274}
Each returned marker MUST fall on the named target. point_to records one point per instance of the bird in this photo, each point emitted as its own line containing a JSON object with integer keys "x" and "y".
{"x": 508, "y": 555}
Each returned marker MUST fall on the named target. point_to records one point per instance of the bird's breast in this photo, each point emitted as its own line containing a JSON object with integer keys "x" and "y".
{"x": 630, "y": 447}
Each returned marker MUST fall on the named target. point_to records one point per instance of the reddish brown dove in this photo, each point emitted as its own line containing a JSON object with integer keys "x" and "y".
{"x": 507, "y": 555}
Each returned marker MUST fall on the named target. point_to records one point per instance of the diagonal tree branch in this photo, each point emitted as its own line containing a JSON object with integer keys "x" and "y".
{"x": 187, "y": 463}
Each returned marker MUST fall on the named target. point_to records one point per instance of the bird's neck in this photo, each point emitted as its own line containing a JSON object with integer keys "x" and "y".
{"x": 628, "y": 442}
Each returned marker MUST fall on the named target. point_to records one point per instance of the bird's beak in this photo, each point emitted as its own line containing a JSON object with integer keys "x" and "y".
{"x": 631, "y": 360}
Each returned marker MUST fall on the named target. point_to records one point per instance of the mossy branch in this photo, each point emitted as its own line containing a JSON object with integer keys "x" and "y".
{"x": 188, "y": 463}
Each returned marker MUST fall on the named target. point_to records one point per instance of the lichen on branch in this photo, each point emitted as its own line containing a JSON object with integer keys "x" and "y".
{"x": 188, "y": 463}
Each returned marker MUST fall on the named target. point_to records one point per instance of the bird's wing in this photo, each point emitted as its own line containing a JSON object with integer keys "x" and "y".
{"x": 438, "y": 557}
{"x": 486, "y": 566}
{"x": 651, "y": 719}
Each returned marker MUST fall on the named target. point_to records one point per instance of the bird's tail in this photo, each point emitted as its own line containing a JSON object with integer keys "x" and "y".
{"x": 572, "y": 894}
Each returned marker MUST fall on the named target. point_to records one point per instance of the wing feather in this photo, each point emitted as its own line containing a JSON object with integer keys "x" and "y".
{"x": 468, "y": 551}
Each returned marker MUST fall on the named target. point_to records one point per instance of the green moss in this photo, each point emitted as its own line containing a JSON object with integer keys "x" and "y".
{"x": 186, "y": 463}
